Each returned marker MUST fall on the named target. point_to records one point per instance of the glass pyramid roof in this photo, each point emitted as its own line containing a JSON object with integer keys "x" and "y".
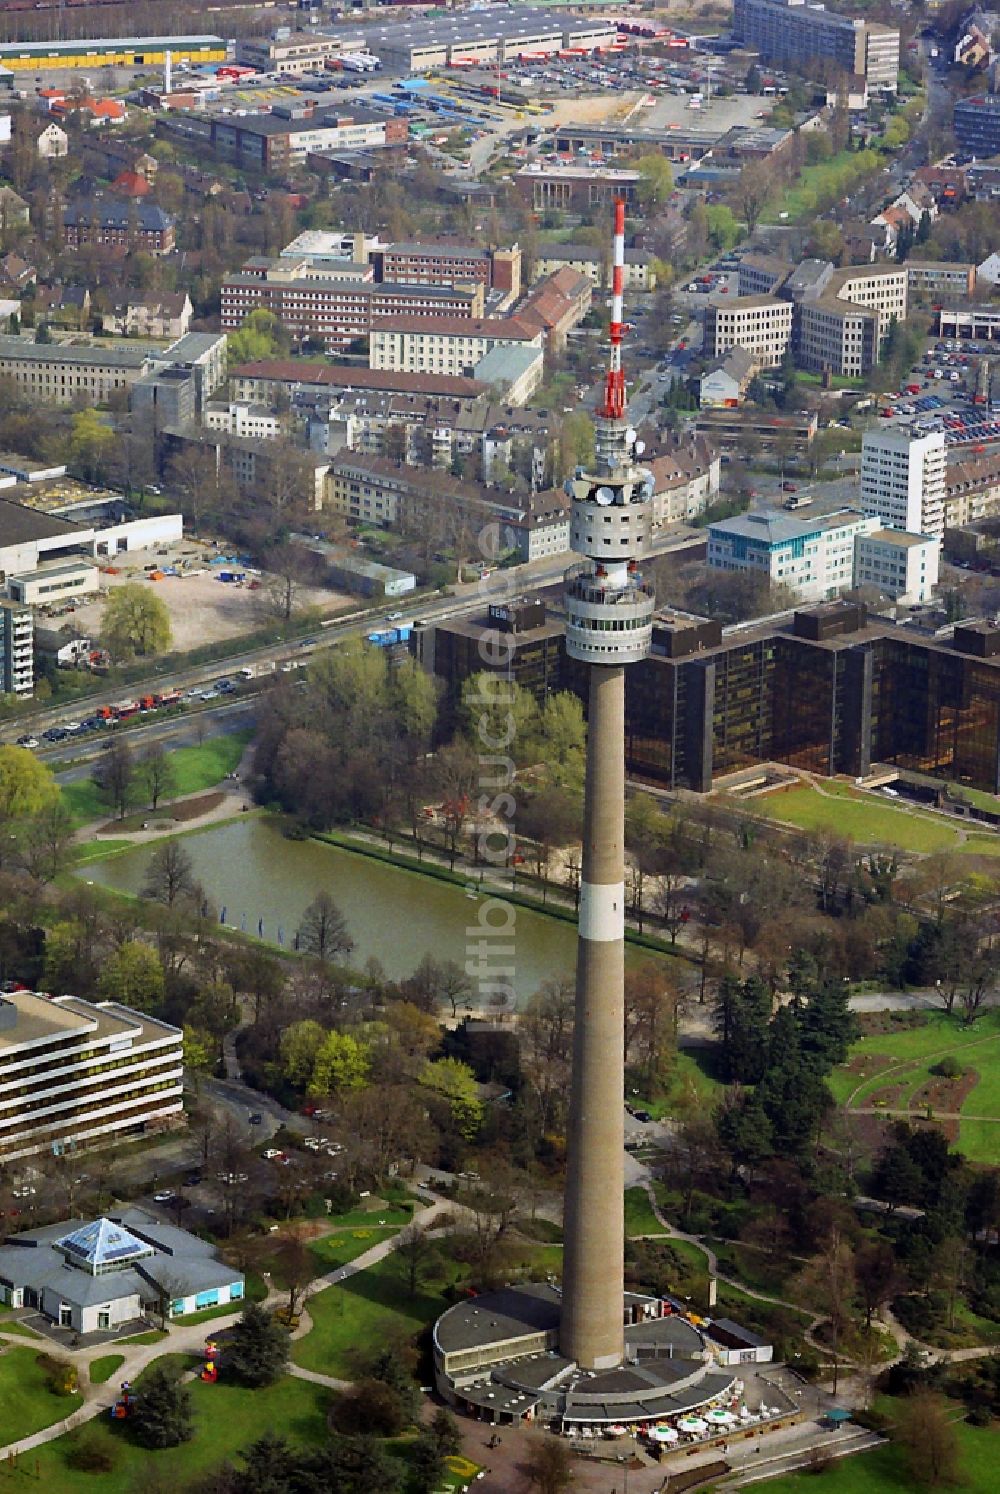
{"x": 102, "y": 1244}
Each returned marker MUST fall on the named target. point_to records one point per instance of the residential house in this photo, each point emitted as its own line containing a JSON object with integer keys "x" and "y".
{"x": 13, "y": 209}
{"x": 726, "y": 380}
{"x": 16, "y": 273}
{"x": 62, "y": 306}
{"x": 51, "y": 142}
{"x": 132, "y": 315}
{"x": 130, "y": 184}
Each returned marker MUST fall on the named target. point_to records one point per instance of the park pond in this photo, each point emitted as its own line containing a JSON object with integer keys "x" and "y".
{"x": 262, "y": 882}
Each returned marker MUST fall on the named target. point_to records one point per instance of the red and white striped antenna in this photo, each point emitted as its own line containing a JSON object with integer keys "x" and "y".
{"x": 614, "y": 390}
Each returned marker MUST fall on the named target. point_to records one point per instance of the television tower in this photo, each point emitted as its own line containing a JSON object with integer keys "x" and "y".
{"x": 609, "y": 623}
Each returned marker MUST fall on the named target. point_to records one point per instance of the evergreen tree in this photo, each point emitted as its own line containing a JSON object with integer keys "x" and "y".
{"x": 258, "y": 1350}
{"x": 744, "y": 1130}
{"x": 162, "y": 1416}
{"x": 741, "y": 1016}
{"x": 390, "y": 1369}
{"x": 426, "y": 1464}
{"x": 827, "y": 1026}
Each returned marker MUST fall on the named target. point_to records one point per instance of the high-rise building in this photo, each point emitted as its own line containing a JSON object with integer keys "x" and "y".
{"x": 792, "y": 31}
{"x": 17, "y": 663}
{"x": 903, "y": 480}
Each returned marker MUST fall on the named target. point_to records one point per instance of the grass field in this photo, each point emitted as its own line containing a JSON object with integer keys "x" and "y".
{"x": 346, "y": 1245}
{"x": 102, "y": 1369}
{"x": 154, "y": 1336}
{"x": 194, "y": 768}
{"x": 21, "y": 1329}
{"x": 863, "y": 817}
{"x": 818, "y": 185}
{"x": 639, "y": 1216}
{"x": 373, "y": 1307}
{"x": 227, "y": 1419}
{"x": 691, "y": 1078}
{"x": 26, "y": 1402}
{"x": 884, "y": 1471}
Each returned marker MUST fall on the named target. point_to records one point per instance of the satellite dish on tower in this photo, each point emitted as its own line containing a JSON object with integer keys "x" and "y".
{"x": 579, "y": 488}
{"x": 640, "y": 447}
{"x": 605, "y": 496}
{"x": 630, "y": 434}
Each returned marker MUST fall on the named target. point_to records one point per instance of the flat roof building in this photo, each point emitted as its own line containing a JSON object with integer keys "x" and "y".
{"x": 75, "y": 1071}
{"x": 802, "y": 34}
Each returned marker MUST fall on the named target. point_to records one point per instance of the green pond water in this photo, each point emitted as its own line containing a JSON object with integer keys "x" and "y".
{"x": 264, "y": 881}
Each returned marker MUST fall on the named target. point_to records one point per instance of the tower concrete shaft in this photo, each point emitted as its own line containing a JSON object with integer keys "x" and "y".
{"x": 592, "y": 1325}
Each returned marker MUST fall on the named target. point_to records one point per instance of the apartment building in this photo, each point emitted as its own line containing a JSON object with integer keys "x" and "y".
{"x": 443, "y": 344}
{"x": 118, "y": 225}
{"x": 972, "y": 489}
{"x": 586, "y": 260}
{"x": 17, "y": 660}
{"x": 75, "y": 1071}
{"x": 903, "y": 480}
{"x": 685, "y": 481}
{"x": 333, "y": 310}
{"x": 901, "y": 566}
{"x": 800, "y": 34}
{"x": 54, "y": 373}
{"x": 761, "y": 325}
{"x": 167, "y": 315}
{"x": 815, "y": 557}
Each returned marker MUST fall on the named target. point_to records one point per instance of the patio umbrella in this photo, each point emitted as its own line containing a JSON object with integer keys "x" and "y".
{"x": 664, "y": 1434}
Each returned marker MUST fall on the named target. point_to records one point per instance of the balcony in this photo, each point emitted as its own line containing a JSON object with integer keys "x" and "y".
{"x": 584, "y": 585}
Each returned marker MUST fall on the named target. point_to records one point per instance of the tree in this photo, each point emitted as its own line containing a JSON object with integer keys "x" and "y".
{"x": 370, "y": 1407}
{"x": 170, "y": 875}
{"x": 455, "y": 1083}
{"x": 926, "y": 1432}
{"x": 657, "y": 179}
{"x": 576, "y": 442}
{"x": 155, "y": 773}
{"x": 91, "y": 443}
{"x": 257, "y": 1351}
{"x": 162, "y": 1415}
{"x": 549, "y": 1465}
{"x": 752, "y": 191}
{"x": 132, "y": 975}
{"x": 342, "y": 1063}
{"x": 323, "y": 931}
{"x": 299, "y": 1045}
{"x": 45, "y": 841}
{"x": 426, "y": 1462}
{"x": 754, "y": 81}
{"x": 413, "y": 1249}
{"x": 26, "y": 785}
{"x": 135, "y": 621}
{"x": 114, "y": 776}
{"x": 446, "y": 1432}
{"x": 877, "y": 1275}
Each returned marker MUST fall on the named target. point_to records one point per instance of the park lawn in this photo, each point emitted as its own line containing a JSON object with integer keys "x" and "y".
{"x": 978, "y": 798}
{"x": 979, "y": 1140}
{"x": 861, "y": 816}
{"x": 884, "y": 1471}
{"x": 227, "y": 1419}
{"x": 342, "y": 1246}
{"x": 26, "y": 1402}
{"x": 396, "y": 1216}
{"x": 981, "y": 845}
{"x": 99, "y": 850}
{"x": 102, "y": 1369}
{"x": 21, "y": 1329}
{"x": 194, "y": 768}
{"x": 639, "y": 1216}
{"x": 691, "y": 1078}
{"x": 154, "y": 1336}
{"x": 370, "y": 1308}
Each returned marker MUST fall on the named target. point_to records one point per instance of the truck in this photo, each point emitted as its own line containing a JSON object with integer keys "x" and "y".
{"x": 797, "y": 500}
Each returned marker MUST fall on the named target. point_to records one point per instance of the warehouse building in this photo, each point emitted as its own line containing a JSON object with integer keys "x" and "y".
{"x": 122, "y": 51}
{"x": 494, "y": 34}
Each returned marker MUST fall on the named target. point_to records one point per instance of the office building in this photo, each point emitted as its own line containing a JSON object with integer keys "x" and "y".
{"x": 286, "y": 135}
{"x": 977, "y": 124}
{"x": 575, "y": 188}
{"x": 901, "y": 566}
{"x": 815, "y": 557}
{"x": 327, "y": 308}
{"x": 99, "y": 1275}
{"x": 75, "y": 1071}
{"x": 444, "y": 262}
{"x": 903, "y": 480}
{"x": 530, "y": 651}
{"x": 17, "y": 661}
{"x": 735, "y": 428}
{"x": 797, "y": 34}
{"x": 275, "y": 378}
{"x": 939, "y": 278}
{"x": 760, "y": 325}
{"x": 587, "y": 260}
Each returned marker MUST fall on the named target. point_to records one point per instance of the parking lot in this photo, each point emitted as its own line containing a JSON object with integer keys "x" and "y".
{"x": 940, "y": 394}
{"x": 202, "y": 608}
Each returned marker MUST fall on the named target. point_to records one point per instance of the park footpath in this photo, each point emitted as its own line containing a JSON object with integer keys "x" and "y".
{"x": 190, "y": 1338}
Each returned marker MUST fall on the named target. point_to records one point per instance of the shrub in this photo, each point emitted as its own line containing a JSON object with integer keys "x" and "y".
{"x": 89, "y": 1453}
{"x": 948, "y": 1067}
{"x": 60, "y": 1376}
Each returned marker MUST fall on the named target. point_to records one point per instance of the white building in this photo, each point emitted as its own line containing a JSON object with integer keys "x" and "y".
{"x": 74, "y": 1071}
{"x": 52, "y": 142}
{"x": 903, "y": 566}
{"x": 241, "y": 418}
{"x": 903, "y": 480}
{"x": 17, "y": 661}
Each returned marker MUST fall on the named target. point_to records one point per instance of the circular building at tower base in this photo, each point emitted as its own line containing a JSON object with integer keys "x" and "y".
{"x": 497, "y": 1357}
